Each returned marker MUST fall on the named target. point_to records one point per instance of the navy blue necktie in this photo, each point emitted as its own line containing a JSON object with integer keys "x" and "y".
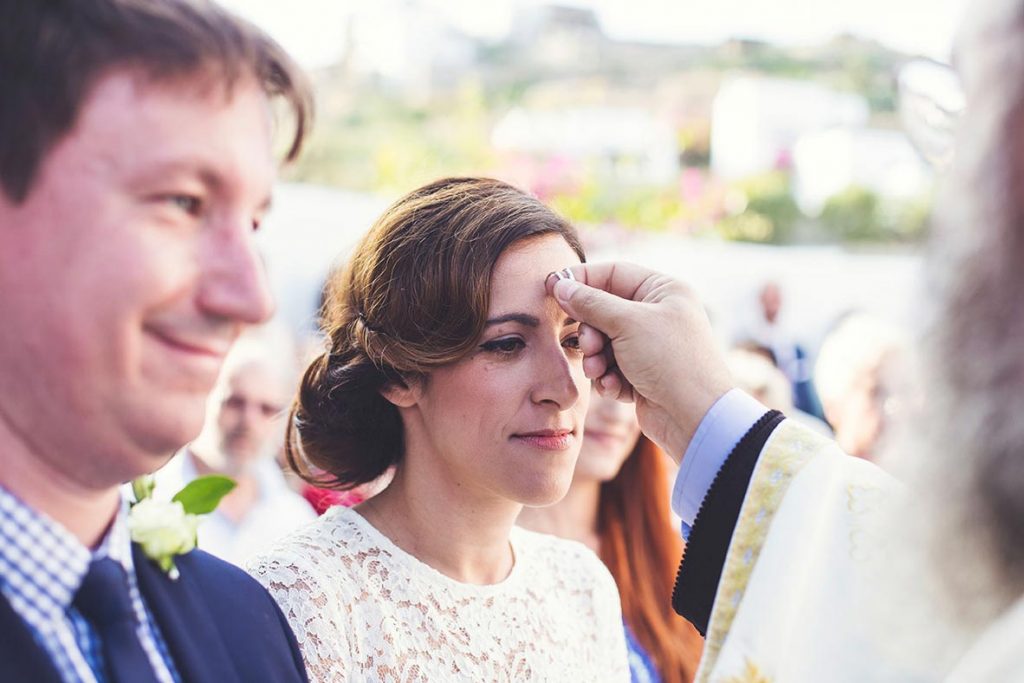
{"x": 103, "y": 599}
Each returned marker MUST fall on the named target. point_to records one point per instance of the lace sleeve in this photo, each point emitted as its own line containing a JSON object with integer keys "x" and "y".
{"x": 312, "y": 612}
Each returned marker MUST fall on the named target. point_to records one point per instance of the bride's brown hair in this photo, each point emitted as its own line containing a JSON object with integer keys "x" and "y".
{"x": 413, "y": 297}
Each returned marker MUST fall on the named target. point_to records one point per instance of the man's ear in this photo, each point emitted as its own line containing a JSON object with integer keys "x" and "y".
{"x": 404, "y": 392}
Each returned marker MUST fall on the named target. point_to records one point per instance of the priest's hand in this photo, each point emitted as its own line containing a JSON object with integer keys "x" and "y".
{"x": 646, "y": 338}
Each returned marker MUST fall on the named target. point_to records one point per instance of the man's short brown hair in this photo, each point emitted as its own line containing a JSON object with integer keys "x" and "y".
{"x": 53, "y": 51}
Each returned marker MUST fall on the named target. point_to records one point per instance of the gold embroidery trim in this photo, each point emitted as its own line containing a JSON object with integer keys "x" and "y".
{"x": 788, "y": 449}
{"x": 751, "y": 674}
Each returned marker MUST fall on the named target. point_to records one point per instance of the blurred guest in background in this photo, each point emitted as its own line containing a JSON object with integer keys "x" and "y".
{"x": 618, "y": 506}
{"x": 860, "y": 376}
{"x": 756, "y": 375}
{"x": 767, "y": 329}
{"x": 243, "y": 430}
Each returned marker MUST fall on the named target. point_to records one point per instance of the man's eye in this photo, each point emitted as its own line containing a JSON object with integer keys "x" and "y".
{"x": 572, "y": 342}
{"x": 508, "y": 345}
{"x": 234, "y": 402}
{"x": 270, "y": 410}
{"x": 188, "y": 203}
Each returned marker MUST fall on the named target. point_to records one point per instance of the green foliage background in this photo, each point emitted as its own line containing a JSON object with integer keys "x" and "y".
{"x": 376, "y": 138}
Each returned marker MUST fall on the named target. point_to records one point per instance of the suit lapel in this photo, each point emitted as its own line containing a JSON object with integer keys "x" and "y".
{"x": 186, "y": 625}
{"x": 23, "y": 658}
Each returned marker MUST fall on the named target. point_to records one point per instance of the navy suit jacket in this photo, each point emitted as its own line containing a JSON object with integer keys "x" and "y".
{"x": 220, "y": 626}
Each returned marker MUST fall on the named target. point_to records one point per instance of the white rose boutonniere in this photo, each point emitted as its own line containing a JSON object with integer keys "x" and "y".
{"x": 166, "y": 529}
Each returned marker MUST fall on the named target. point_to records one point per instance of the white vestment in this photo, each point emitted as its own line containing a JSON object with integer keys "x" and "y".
{"x": 809, "y": 590}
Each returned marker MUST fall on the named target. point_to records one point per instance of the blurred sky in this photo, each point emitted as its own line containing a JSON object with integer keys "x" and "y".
{"x": 313, "y": 30}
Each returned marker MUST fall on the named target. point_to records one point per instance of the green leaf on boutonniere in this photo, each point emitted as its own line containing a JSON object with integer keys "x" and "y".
{"x": 202, "y": 495}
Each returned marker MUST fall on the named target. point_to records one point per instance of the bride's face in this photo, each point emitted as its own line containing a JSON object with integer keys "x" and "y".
{"x": 507, "y": 420}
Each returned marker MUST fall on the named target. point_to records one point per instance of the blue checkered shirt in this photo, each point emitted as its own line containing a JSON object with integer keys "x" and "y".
{"x": 41, "y": 567}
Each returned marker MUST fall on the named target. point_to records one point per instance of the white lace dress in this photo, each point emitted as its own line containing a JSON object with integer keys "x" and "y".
{"x": 365, "y": 610}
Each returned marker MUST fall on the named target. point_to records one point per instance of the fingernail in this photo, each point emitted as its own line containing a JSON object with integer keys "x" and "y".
{"x": 564, "y": 289}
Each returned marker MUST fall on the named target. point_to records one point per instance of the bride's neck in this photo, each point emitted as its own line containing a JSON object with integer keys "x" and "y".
{"x": 574, "y": 517}
{"x": 463, "y": 536}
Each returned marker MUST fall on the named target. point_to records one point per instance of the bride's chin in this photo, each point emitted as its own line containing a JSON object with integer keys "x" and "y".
{"x": 543, "y": 493}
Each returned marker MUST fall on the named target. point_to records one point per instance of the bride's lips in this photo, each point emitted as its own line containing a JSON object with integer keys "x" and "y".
{"x": 547, "y": 439}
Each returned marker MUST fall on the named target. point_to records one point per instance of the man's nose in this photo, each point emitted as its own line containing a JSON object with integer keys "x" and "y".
{"x": 234, "y": 282}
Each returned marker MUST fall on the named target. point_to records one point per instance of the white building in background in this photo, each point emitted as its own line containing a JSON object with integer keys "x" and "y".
{"x": 407, "y": 45}
{"x": 756, "y": 121}
{"x": 883, "y": 161}
{"x": 629, "y": 144}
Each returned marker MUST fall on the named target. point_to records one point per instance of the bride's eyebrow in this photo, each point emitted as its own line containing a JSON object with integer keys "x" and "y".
{"x": 522, "y": 319}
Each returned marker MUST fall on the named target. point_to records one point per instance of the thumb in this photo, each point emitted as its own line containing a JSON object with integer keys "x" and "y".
{"x": 595, "y": 307}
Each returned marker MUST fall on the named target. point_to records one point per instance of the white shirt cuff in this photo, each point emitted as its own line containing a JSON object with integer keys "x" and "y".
{"x": 723, "y": 426}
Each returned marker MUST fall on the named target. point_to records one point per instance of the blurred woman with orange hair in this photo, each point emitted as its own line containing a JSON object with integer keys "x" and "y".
{"x": 618, "y": 506}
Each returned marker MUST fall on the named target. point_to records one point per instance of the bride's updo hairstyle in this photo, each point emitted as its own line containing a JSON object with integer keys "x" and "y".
{"x": 414, "y": 296}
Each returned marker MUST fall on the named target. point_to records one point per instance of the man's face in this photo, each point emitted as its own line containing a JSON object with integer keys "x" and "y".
{"x": 865, "y": 415}
{"x": 771, "y": 302}
{"x": 129, "y": 270}
{"x": 248, "y": 415}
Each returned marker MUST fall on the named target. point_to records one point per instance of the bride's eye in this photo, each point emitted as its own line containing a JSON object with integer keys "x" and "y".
{"x": 506, "y": 346}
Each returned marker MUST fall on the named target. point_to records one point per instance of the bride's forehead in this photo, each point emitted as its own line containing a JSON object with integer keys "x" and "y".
{"x": 521, "y": 271}
{"x": 536, "y": 256}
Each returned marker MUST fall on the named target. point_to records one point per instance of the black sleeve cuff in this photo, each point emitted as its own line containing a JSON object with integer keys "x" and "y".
{"x": 701, "y": 567}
